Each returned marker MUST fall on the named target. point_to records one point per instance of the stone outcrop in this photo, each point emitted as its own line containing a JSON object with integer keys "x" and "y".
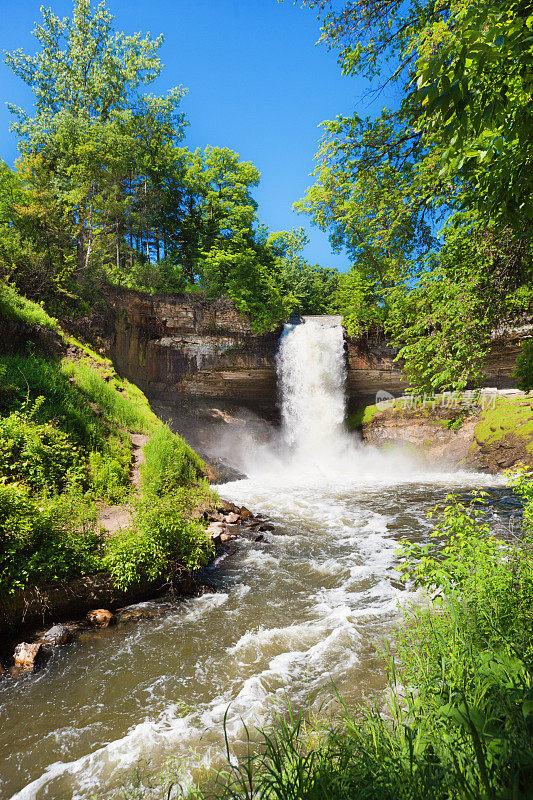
{"x": 488, "y": 433}
{"x": 179, "y": 347}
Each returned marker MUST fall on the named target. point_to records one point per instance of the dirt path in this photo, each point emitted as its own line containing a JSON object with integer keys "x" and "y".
{"x": 116, "y": 518}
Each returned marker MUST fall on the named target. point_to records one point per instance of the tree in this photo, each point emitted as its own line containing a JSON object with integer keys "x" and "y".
{"x": 90, "y": 113}
{"x": 312, "y": 288}
{"x": 459, "y": 139}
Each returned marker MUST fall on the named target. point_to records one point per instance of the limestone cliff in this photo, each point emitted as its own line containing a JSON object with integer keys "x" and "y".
{"x": 185, "y": 348}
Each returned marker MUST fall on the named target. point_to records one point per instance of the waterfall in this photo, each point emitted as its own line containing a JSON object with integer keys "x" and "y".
{"x": 312, "y": 376}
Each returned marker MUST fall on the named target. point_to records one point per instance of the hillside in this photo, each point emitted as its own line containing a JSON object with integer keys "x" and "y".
{"x": 91, "y": 482}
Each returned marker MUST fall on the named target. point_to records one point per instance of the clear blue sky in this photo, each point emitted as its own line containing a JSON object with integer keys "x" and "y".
{"x": 257, "y": 84}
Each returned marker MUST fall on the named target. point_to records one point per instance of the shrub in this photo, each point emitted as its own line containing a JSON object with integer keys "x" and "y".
{"x": 44, "y": 540}
{"x": 110, "y": 470}
{"x": 161, "y": 538}
{"x": 170, "y": 463}
{"x": 524, "y": 367}
{"x": 40, "y": 455}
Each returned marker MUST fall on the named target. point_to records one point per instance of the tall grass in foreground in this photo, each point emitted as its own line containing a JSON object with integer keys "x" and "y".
{"x": 457, "y": 720}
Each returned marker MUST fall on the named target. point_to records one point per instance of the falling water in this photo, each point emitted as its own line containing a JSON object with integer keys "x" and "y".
{"x": 311, "y": 370}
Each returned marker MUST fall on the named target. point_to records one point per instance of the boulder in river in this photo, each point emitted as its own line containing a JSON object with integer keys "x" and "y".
{"x": 100, "y": 618}
{"x": 56, "y": 636}
{"x": 225, "y": 506}
{"x": 232, "y": 518}
{"x": 26, "y": 656}
{"x": 245, "y": 513}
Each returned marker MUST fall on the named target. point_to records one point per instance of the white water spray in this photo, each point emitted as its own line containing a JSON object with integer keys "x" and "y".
{"x": 311, "y": 369}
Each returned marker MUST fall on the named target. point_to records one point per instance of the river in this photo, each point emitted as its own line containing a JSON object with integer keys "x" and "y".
{"x": 293, "y": 613}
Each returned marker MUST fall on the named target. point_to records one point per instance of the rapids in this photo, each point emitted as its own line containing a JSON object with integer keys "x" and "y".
{"x": 293, "y": 613}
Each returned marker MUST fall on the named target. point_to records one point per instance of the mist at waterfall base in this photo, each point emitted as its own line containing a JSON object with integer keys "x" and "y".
{"x": 313, "y": 445}
{"x": 300, "y": 609}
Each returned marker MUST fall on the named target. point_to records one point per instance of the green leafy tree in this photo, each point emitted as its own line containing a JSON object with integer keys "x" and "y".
{"x": 312, "y": 288}
{"x": 459, "y": 139}
{"x": 90, "y": 114}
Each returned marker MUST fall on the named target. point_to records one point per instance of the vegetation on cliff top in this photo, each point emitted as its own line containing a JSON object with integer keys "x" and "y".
{"x": 65, "y": 452}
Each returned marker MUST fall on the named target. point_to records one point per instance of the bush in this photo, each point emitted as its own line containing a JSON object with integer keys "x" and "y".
{"x": 40, "y": 455}
{"x": 169, "y": 464}
{"x": 161, "y": 539}
{"x": 524, "y": 367}
{"x": 110, "y": 470}
{"x": 43, "y": 540}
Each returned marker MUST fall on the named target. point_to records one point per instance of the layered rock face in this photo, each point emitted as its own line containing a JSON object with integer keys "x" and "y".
{"x": 184, "y": 349}
{"x": 178, "y": 347}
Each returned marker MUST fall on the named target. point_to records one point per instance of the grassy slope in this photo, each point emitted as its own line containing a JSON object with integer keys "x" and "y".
{"x": 77, "y": 402}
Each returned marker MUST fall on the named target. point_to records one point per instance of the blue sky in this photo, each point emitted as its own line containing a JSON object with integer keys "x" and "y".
{"x": 257, "y": 84}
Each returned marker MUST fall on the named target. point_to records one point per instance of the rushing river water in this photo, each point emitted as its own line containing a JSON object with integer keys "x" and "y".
{"x": 292, "y": 613}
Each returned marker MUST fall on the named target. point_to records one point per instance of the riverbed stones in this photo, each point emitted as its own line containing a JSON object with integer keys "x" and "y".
{"x": 245, "y": 513}
{"x": 100, "y": 618}
{"x": 232, "y": 518}
{"x": 56, "y": 636}
{"x": 26, "y": 656}
{"x": 225, "y": 507}
{"x": 136, "y": 613}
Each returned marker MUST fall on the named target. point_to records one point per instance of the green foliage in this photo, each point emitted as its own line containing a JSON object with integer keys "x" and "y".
{"x": 28, "y": 377}
{"x": 311, "y": 288}
{"x": 110, "y": 470}
{"x": 459, "y": 139}
{"x": 162, "y": 539}
{"x": 442, "y": 322}
{"x": 39, "y": 455}
{"x": 128, "y": 409}
{"x": 524, "y": 367}
{"x": 13, "y": 305}
{"x": 44, "y": 540}
{"x": 169, "y": 463}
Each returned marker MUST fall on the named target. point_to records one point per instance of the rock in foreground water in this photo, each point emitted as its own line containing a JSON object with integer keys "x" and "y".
{"x": 26, "y": 656}
{"x": 100, "y": 618}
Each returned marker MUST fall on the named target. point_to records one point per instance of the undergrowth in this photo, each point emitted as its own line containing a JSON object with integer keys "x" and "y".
{"x": 65, "y": 450}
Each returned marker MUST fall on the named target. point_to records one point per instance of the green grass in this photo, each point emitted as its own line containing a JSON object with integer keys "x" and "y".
{"x": 14, "y": 306}
{"x": 127, "y": 408}
{"x": 361, "y": 417}
{"x": 169, "y": 463}
{"x": 26, "y": 378}
{"x": 511, "y": 415}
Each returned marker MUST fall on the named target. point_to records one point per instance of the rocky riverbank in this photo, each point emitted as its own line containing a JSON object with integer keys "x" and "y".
{"x": 75, "y": 607}
{"x": 487, "y": 431}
